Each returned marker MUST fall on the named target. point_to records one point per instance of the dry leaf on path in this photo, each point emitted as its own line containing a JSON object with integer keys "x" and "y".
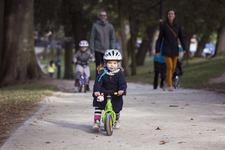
{"x": 180, "y": 142}
{"x": 158, "y": 128}
{"x": 162, "y": 142}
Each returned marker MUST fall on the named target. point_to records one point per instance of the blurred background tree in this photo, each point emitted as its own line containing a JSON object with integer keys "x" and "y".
{"x": 69, "y": 21}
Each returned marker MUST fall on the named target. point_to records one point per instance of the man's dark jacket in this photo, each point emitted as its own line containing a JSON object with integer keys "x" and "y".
{"x": 102, "y": 37}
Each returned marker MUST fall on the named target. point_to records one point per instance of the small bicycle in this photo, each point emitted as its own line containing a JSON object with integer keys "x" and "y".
{"x": 109, "y": 116}
{"x": 83, "y": 80}
{"x": 177, "y": 75}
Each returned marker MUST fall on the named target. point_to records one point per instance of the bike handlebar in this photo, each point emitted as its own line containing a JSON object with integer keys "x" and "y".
{"x": 113, "y": 93}
{"x": 81, "y": 63}
{"x": 110, "y": 93}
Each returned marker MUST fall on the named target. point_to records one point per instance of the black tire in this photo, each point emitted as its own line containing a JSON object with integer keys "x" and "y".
{"x": 109, "y": 124}
{"x": 79, "y": 86}
{"x": 85, "y": 84}
{"x": 177, "y": 81}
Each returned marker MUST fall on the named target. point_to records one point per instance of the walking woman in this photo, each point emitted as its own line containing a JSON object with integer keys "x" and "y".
{"x": 170, "y": 30}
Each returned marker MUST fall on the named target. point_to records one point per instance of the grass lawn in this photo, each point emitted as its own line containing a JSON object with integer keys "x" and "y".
{"x": 22, "y": 96}
{"x": 196, "y": 75}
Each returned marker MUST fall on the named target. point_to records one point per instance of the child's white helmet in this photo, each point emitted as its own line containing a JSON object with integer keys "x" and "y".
{"x": 112, "y": 54}
{"x": 83, "y": 43}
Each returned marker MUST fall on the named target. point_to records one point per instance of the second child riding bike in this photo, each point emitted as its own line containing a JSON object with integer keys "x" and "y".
{"x": 82, "y": 55}
{"x": 83, "y": 79}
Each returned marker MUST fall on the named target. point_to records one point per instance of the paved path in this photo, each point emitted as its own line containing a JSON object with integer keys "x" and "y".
{"x": 150, "y": 120}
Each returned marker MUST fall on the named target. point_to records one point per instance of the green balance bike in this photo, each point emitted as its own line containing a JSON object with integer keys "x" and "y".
{"x": 109, "y": 116}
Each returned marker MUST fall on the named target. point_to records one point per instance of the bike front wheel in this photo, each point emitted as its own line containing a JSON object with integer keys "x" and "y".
{"x": 177, "y": 82}
{"x": 85, "y": 84}
{"x": 109, "y": 124}
{"x": 79, "y": 86}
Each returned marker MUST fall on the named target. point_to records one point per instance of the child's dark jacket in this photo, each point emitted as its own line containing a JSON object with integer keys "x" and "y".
{"x": 114, "y": 83}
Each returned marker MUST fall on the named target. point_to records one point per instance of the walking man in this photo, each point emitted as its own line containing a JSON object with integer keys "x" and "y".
{"x": 102, "y": 38}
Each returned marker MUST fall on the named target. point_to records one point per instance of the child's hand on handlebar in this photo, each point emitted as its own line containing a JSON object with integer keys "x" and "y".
{"x": 96, "y": 93}
{"x": 120, "y": 92}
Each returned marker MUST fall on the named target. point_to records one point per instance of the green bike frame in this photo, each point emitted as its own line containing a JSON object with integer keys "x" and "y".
{"x": 109, "y": 109}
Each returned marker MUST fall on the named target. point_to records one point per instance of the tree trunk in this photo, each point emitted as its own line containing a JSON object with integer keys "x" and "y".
{"x": 76, "y": 18}
{"x": 187, "y": 54}
{"x": 18, "y": 58}
{"x": 123, "y": 36}
{"x": 201, "y": 44}
{"x": 2, "y": 3}
{"x": 220, "y": 45}
{"x": 68, "y": 74}
{"x": 144, "y": 46}
{"x": 143, "y": 49}
{"x": 68, "y": 31}
{"x": 133, "y": 44}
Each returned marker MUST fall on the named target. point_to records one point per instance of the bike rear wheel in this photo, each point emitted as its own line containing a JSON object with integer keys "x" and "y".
{"x": 108, "y": 124}
{"x": 177, "y": 82}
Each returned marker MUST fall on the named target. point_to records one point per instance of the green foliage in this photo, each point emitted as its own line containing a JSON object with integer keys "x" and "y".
{"x": 46, "y": 16}
{"x": 199, "y": 17}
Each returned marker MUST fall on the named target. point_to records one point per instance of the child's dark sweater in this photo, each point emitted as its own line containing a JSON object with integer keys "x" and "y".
{"x": 114, "y": 83}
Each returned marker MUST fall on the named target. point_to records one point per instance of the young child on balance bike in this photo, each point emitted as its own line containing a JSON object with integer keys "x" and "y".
{"x": 110, "y": 77}
{"x": 82, "y": 55}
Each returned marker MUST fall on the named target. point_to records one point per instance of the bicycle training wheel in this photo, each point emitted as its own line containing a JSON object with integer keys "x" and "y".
{"x": 177, "y": 82}
{"x": 85, "y": 84}
{"x": 79, "y": 86}
{"x": 108, "y": 124}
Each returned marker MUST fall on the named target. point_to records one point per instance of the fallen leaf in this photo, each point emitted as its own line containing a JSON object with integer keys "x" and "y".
{"x": 158, "y": 128}
{"x": 200, "y": 133}
{"x": 192, "y": 118}
{"x": 162, "y": 142}
{"x": 47, "y": 142}
{"x": 180, "y": 142}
